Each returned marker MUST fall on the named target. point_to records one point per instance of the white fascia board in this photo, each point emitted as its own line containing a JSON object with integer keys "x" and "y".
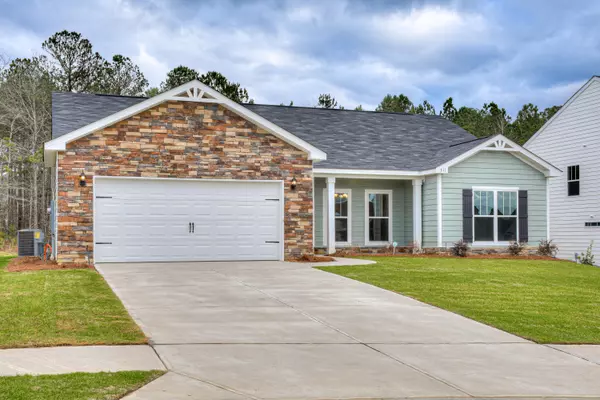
{"x": 514, "y": 149}
{"x": 562, "y": 108}
{"x": 368, "y": 173}
{"x": 59, "y": 144}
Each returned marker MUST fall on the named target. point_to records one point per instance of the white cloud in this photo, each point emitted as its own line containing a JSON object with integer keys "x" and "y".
{"x": 16, "y": 41}
{"x": 154, "y": 70}
{"x": 294, "y": 51}
{"x": 430, "y": 26}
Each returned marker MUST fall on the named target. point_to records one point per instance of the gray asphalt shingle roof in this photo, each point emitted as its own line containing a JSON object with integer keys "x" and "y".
{"x": 372, "y": 140}
{"x": 71, "y": 111}
{"x": 351, "y": 139}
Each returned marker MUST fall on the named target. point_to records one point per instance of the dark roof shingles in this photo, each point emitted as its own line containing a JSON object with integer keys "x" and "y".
{"x": 371, "y": 140}
{"x": 71, "y": 111}
{"x": 351, "y": 139}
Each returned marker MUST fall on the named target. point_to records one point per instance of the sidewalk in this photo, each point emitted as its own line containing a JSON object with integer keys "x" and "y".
{"x": 64, "y": 360}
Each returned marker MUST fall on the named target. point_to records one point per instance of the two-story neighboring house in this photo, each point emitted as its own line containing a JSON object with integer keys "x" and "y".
{"x": 570, "y": 140}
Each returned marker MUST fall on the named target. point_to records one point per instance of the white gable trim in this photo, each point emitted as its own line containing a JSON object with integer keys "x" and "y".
{"x": 194, "y": 91}
{"x": 502, "y": 143}
{"x": 564, "y": 106}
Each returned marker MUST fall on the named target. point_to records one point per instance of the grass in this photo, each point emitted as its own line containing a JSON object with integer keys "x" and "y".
{"x": 61, "y": 307}
{"x": 78, "y": 386}
{"x": 544, "y": 301}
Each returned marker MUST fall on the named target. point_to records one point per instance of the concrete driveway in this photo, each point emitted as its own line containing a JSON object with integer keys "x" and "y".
{"x": 274, "y": 330}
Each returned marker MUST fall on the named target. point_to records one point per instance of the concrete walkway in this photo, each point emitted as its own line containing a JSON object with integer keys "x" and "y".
{"x": 64, "y": 360}
{"x": 273, "y": 330}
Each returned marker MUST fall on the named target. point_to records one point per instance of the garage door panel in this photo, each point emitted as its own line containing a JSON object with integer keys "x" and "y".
{"x": 148, "y": 220}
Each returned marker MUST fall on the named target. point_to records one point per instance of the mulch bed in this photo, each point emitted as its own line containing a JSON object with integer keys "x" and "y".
{"x": 474, "y": 256}
{"x": 21, "y": 264}
{"x": 306, "y": 258}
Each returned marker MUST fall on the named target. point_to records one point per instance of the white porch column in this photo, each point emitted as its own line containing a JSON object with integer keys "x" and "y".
{"x": 417, "y": 213}
{"x": 330, "y": 215}
{"x": 440, "y": 217}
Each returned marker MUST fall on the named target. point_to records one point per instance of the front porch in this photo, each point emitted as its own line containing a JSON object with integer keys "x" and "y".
{"x": 367, "y": 212}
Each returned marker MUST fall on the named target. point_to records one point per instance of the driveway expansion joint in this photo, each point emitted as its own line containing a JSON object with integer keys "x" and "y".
{"x": 271, "y": 330}
{"x": 223, "y": 387}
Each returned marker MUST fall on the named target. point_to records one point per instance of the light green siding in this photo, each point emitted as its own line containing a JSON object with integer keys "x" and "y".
{"x": 401, "y": 208}
{"x": 430, "y": 218}
{"x": 318, "y": 212}
{"x": 408, "y": 212}
{"x": 489, "y": 168}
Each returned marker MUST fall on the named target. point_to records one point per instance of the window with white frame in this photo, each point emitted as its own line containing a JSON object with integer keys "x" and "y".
{"x": 573, "y": 180}
{"x": 342, "y": 213}
{"x": 495, "y": 215}
{"x": 378, "y": 216}
{"x": 342, "y": 216}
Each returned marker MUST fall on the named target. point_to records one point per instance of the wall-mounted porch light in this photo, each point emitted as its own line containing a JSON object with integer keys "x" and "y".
{"x": 82, "y": 181}
{"x": 294, "y": 183}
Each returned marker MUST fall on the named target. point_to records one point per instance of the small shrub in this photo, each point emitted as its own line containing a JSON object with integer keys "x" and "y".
{"x": 587, "y": 257}
{"x": 516, "y": 248}
{"x": 547, "y": 248}
{"x": 460, "y": 248}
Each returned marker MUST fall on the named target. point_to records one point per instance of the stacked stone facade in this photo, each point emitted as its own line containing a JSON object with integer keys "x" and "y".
{"x": 180, "y": 139}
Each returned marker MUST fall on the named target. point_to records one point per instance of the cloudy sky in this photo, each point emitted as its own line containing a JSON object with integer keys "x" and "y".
{"x": 508, "y": 51}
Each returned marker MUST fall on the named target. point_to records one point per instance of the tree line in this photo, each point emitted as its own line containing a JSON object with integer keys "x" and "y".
{"x": 488, "y": 120}
{"x": 69, "y": 63}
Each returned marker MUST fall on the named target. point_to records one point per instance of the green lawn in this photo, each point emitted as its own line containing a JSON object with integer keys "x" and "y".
{"x": 545, "y": 301}
{"x": 79, "y": 386}
{"x": 61, "y": 307}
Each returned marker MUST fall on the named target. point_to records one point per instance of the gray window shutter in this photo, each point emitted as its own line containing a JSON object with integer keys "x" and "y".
{"x": 523, "y": 217}
{"x": 468, "y": 215}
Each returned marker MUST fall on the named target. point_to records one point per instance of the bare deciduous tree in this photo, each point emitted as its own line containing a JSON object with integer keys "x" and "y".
{"x": 25, "y": 120}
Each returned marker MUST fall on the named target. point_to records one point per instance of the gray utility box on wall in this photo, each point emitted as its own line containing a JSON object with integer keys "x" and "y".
{"x": 30, "y": 242}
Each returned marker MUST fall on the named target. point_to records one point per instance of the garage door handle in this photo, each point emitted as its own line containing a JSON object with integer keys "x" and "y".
{"x": 193, "y": 227}
{"x": 103, "y": 243}
{"x": 271, "y": 241}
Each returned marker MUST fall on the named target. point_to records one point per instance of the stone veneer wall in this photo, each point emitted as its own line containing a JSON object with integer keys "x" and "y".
{"x": 180, "y": 140}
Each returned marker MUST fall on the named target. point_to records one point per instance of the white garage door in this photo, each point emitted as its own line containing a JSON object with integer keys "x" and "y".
{"x": 186, "y": 220}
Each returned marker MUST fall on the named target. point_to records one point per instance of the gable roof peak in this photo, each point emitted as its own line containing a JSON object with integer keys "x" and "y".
{"x": 195, "y": 91}
{"x": 594, "y": 78}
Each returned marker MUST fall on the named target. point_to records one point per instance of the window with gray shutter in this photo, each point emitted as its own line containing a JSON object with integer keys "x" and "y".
{"x": 468, "y": 215}
{"x": 523, "y": 217}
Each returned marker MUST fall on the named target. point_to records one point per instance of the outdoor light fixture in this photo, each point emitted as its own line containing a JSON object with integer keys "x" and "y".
{"x": 294, "y": 183}
{"x": 82, "y": 179}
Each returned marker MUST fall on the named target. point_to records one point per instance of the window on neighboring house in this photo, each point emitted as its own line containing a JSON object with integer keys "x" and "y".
{"x": 378, "y": 224}
{"x": 573, "y": 180}
{"x": 495, "y": 215}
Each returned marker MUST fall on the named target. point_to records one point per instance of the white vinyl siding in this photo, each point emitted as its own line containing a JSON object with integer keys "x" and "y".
{"x": 573, "y": 138}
